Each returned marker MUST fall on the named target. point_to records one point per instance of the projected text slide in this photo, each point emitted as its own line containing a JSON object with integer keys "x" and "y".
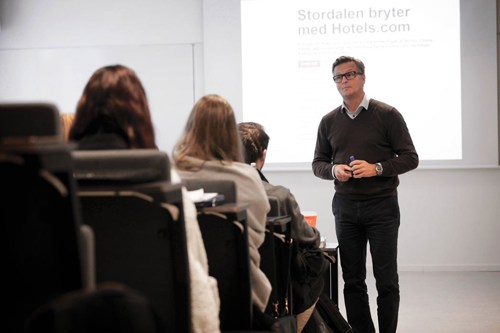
{"x": 411, "y": 50}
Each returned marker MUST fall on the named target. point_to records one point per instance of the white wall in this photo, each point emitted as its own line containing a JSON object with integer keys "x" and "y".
{"x": 50, "y": 48}
{"x": 450, "y": 217}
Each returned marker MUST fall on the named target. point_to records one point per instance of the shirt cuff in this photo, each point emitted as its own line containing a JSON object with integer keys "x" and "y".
{"x": 333, "y": 172}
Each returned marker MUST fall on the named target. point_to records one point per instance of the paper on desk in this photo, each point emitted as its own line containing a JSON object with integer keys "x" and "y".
{"x": 200, "y": 195}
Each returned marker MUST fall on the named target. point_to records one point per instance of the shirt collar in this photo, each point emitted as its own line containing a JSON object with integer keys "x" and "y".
{"x": 363, "y": 105}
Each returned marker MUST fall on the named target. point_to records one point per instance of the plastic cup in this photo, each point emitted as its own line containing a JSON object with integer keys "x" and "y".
{"x": 311, "y": 217}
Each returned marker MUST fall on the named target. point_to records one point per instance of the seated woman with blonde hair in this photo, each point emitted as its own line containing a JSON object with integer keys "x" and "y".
{"x": 210, "y": 148}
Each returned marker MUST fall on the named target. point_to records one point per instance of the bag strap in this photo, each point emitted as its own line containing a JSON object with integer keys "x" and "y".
{"x": 274, "y": 292}
{"x": 288, "y": 279}
{"x": 287, "y": 240}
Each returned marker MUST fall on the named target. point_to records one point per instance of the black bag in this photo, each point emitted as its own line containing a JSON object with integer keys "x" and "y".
{"x": 279, "y": 317}
{"x": 307, "y": 269}
{"x": 326, "y": 318}
{"x": 287, "y": 324}
{"x": 316, "y": 324}
{"x": 266, "y": 322}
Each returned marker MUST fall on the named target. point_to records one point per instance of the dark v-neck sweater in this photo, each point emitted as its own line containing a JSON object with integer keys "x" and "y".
{"x": 378, "y": 134}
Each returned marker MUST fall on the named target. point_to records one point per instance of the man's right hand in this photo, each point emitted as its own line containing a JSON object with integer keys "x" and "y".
{"x": 343, "y": 172}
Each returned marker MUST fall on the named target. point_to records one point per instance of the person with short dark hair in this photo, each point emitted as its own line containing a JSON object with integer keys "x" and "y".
{"x": 255, "y": 141}
{"x": 363, "y": 145}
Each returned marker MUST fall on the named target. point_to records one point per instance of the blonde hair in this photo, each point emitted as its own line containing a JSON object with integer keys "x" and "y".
{"x": 66, "y": 123}
{"x": 211, "y": 133}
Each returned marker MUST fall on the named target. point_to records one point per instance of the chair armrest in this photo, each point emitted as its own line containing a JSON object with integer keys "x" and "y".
{"x": 88, "y": 257}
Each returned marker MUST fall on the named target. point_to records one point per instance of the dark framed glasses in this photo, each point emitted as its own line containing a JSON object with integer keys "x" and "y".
{"x": 348, "y": 76}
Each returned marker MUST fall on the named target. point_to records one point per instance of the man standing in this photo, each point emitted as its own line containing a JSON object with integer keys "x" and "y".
{"x": 363, "y": 145}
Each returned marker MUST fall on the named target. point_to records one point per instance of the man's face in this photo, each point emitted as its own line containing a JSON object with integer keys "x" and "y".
{"x": 349, "y": 88}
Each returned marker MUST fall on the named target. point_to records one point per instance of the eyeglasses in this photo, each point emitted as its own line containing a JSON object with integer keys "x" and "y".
{"x": 348, "y": 76}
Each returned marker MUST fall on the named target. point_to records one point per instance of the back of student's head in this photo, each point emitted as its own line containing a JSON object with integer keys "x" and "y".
{"x": 255, "y": 140}
{"x": 114, "y": 101}
{"x": 211, "y": 132}
{"x": 112, "y": 308}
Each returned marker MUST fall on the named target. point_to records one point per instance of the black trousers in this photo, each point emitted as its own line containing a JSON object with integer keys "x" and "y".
{"x": 359, "y": 222}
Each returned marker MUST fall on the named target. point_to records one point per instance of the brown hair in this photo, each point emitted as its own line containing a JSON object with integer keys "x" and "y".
{"x": 114, "y": 101}
{"x": 343, "y": 59}
{"x": 255, "y": 140}
{"x": 211, "y": 132}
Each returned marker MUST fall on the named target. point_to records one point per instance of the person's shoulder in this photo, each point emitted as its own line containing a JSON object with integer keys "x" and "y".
{"x": 380, "y": 106}
{"x": 384, "y": 110}
{"x": 276, "y": 190}
{"x": 376, "y": 104}
{"x": 243, "y": 167}
{"x": 332, "y": 114}
{"x": 282, "y": 193}
{"x": 244, "y": 171}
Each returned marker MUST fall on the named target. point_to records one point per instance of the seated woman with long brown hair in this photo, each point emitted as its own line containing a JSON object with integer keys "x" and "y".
{"x": 113, "y": 113}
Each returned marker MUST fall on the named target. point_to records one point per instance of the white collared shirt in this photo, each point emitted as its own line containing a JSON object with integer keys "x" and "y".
{"x": 363, "y": 105}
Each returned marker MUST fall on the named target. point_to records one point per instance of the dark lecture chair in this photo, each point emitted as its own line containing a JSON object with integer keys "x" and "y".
{"x": 225, "y": 235}
{"x": 137, "y": 218}
{"x": 39, "y": 214}
{"x": 29, "y": 121}
{"x": 275, "y": 260}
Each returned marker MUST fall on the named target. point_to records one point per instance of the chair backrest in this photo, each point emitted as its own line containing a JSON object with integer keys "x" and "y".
{"x": 29, "y": 120}
{"x": 225, "y": 236}
{"x": 40, "y": 220}
{"x": 275, "y": 262}
{"x": 226, "y": 244}
{"x": 138, "y": 224}
{"x": 275, "y": 206}
{"x": 111, "y": 308}
{"x": 121, "y": 166}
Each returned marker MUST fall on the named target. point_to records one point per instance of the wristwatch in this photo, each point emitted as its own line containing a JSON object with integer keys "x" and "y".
{"x": 379, "y": 169}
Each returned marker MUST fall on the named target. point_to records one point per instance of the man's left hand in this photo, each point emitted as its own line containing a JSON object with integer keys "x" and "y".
{"x": 362, "y": 169}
